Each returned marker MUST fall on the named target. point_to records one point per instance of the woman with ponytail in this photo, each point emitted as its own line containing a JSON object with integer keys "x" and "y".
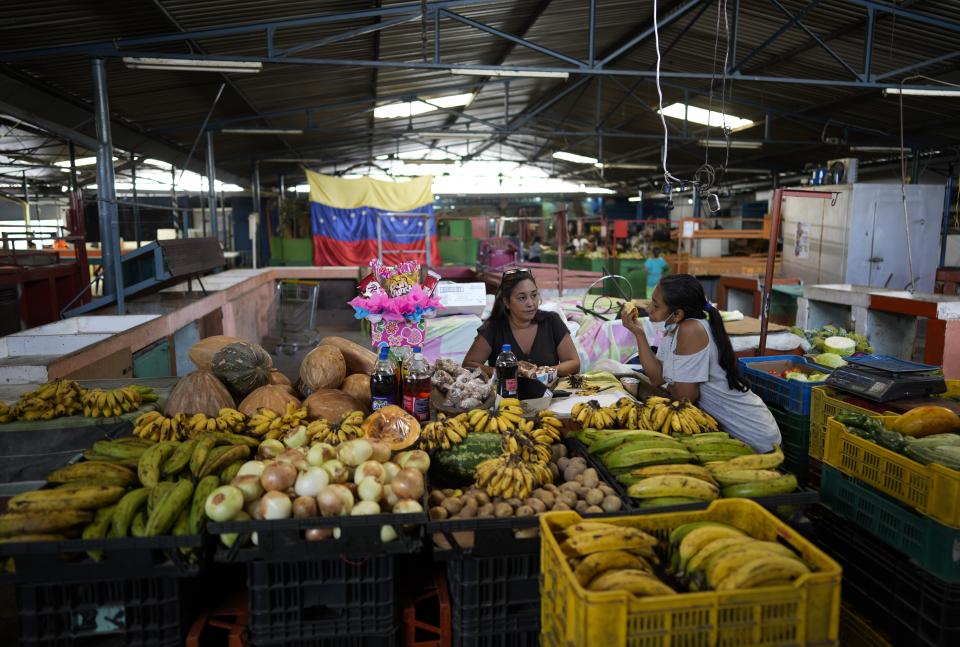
{"x": 695, "y": 361}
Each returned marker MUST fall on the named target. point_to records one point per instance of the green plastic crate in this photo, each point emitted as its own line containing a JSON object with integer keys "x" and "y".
{"x": 795, "y": 430}
{"x": 933, "y": 546}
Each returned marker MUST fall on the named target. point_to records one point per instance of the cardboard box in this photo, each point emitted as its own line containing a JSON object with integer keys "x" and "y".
{"x": 461, "y": 298}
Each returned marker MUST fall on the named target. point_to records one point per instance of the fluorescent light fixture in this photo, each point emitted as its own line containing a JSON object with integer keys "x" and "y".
{"x": 263, "y": 131}
{"x": 80, "y": 161}
{"x": 914, "y": 92}
{"x": 734, "y": 143}
{"x": 496, "y": 71}
{"x": 634, "y": 198}
{"x": 706, "y": 117}
{"x": 573, "y": 157}
{"x": 413, "y": 108}
{"x": 451, "y": 134}
{"x": 192, "y": 65}
{"x": 382, "y": 157}
{"x": 626, "y": 165}
{"x": 877, "y": 149}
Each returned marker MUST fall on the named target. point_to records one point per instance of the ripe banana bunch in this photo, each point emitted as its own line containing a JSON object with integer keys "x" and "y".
{"x": 321, "y": 431}
{"x": 545, "y": 435}
{"x": 607, "y": 557}
{"x": 509, "y": 477}
{"x": 677, "y": 416}
{"x": 272, "y": 425}
{"x": 587, "y": 538}
{"x": 53, "y": 399}
{"x": 444, "y": 433}
{"x": 548, "y": 419}
{"x": 6, "y": 413}
{"x": 99, "y": 403}
{"x": 653, "y": 490}
{"x": 493, "y": 422}
{"x": 228, "y": 420}
{"x": 526, "y": 447}
{"x": 591, "y": 414}
{"x": 713, "y": 555}
{"x": 628, "y": 413}
{"x": 156, "y": 427}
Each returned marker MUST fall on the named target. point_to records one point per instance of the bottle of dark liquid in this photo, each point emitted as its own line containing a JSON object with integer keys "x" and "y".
{"x": 401, "y": 361}
{"x": 383, "y": 381}
{"x": 507, "y": 373}
{"x": 416, "y": 386}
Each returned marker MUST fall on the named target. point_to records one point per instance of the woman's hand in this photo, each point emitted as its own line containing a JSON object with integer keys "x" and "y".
{"x": 630, "y": 319}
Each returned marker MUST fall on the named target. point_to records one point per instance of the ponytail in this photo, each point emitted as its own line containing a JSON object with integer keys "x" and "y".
{"x": 684, "y": 292}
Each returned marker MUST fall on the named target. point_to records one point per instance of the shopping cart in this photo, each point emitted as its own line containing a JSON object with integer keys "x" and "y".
{"x": 296, "y": 314}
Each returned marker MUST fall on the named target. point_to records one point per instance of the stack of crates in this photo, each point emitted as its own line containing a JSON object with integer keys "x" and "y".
{"x": 825, "y": 403}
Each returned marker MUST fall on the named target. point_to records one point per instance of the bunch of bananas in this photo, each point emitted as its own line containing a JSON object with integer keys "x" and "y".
{"x": 525, "y": 445}
{"x": 270, "y": 424}
{"x": 628, "y": 413}
{"x": 156, "y": 427}
{"x": 549, "y": 419}
{"x": 508, "y": 476}
{"x": 49, "y": 401}
{"x": 6, "y": 414}
{"x": 591, "y": 414}
{"x": 507, "y": 417}
{"x": 443, "y": 433}
{"x": 752, "y": 475}
{"x": 321, "y": 431}
{"x": 227, "y": 420}
{"x": 714, "y": 446}
{"x": 580, "y": 385}
{"x": 608, "y": 557}
{"x": 100, "y": 403}
{"x": 713, "y": 555}
{"x": 677, "y": 416}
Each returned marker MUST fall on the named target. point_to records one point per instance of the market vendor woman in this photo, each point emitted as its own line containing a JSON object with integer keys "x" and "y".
{"x": 695, "y": 361}
{"x": 538, "y": 339}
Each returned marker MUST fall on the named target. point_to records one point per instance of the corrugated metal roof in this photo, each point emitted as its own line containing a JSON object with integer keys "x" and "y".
{"x": 171, "y": 105}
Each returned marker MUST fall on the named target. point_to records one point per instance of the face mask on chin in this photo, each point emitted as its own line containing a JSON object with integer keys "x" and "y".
{"x": 670, "y": 328}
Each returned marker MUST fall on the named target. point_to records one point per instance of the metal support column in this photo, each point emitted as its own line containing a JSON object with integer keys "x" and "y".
{"x": 136, "y": 205}
{"x": 106, "y": 193}
{"x": 211, "y": 187}
{"x": 26, "y": 202}
{"x": 868, "y": 46}
{"x": 945, "y": 225}
{"x": 255, "y": 195}
{"x": 73, "y": 167}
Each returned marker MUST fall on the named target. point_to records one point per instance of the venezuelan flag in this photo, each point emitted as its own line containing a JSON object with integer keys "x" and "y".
{"x": 344, "y": 214}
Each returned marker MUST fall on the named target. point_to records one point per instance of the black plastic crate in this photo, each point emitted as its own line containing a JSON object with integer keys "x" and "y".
{"x": 488, "y": 592}
{"x": 914, "y": 607}
{"x": 131, "y": 612}
{"x": 520, "y": 631}
{"x": 388, "y": 639}
{"x": 795, "y": 441}
{"x": 321, "y": 599}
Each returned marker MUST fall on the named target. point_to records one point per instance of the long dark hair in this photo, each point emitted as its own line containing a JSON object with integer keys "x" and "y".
{"x": 684, "y": 292}
{"x": 508, "y": 283}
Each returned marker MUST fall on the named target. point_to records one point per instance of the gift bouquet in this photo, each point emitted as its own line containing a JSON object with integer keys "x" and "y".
{"x": 395, "y": 302}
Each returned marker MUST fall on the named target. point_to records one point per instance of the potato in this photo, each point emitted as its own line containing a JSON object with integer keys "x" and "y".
{"x": 579, "y": 460}
{"x": 578, "y": 478}
{"x": 525, "y": 511}
{"x": 536, "y": 504}
{"x": 554, "y": 472}
{"x": 515, "y": 503}
{"x": 436, "y": 496}
{"x": 594, "y": 509}
{"x": 550, "y": 487}
{"x": 569, "y": 486}
{"x": 453, "y": 505}
{"x": 546, "y": 496}
{"x": 590, "y": 478}
{"x": 594, "y": 497}
{"x": 526, "y": 533}
{"x": 464, "y": 539}
{"x": 468, "y": 511}
{"x": 570, "y": 474}
{"x": 438, "y": 513}
{"x": 482, "y": 497}
{"x": 485, "y": 511}
{"x": 611, "y": 503}
{"x": 568, "y": 497}
{"x": 448, "y": 491}
{"x": 560, "y": 505}
{"x": 557, "y": 451}
{"x": 607, "y": 490}
{"x": 441, "y": 542}
{"x": 581, "y": 507}
{"x": 562, "y": 462}
{"x": 469, "y": 499}
{"x": 502, "y": 510}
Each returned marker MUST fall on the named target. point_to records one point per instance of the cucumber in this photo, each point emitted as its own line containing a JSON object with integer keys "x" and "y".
{"x": 455, "y": 466}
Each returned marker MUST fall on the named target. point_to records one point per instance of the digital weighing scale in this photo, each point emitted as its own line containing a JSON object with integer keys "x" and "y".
{"x": 882, "y": 378}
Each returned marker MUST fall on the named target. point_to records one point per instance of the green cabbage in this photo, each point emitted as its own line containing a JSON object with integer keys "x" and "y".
{"x": 842, "y": 346}
{"x": 830, "y": 360}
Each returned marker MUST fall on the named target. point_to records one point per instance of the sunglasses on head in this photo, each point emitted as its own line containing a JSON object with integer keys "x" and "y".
{"x": 515, "y": 271}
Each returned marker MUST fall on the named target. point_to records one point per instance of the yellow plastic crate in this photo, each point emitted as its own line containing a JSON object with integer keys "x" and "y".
{"x": 806, "y": 612}
{"x": 824, "y": 406}
{"x": 933, "y": 489}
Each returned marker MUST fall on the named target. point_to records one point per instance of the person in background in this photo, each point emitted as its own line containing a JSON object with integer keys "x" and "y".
{"x": 655, "y": 268}
{"x": 538, "y": 338}
{"x": 695, "y": 361}
{"x": 533, "y": 255}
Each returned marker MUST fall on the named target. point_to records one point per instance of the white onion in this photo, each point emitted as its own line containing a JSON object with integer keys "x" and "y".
{"x": 387, "y": 534}
{"x": 345, "y": 495}
{"x": 330, "y": 503}
{"x": 365, "y": 508}
{"x": 390, "y": 470}
{"x": 230, "y": 538}
{"x": 310, "y": 483}
{"x": 278, "y": 477}
{"x": 354, "y": 452}
{"x": 320, "y": 454}
{"x": 417, "y": 459}
{"x": 297, "y": 439}
{"x": 338, "y": 471}
{"x": 405, "y": 506}
{"x": 369, "y": 489}
{"x": 368, "y": 468}
{"x": 295, "y": 457}
{"x": 253, "y": 509}
{"x": 318, "y": 534}
{"x": 250, "y": 486}
{"x": 408, "y": 483}
{"x": 224, "y": 503}
{"x": 389, "y": 496}
{"x": 251, "y": 468}
{"x": 304, "y": 507}
{"x": 270, "y": 448}
{"x": 275, "y": 505}
{"x": 381, "y": 451}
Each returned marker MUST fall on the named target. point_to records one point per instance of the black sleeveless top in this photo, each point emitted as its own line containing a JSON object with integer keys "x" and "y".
{"x": 550, "y": 332}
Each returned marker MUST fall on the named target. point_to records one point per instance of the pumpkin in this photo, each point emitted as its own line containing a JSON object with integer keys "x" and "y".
{"x": 358, "y": 387}
{"x": 276, "y": 377}
{"x": 242, "y": 366}
{"x": 201, "y": 353}
{"x": 272, "y": 396}
{"x": 393, "y": 426}
{"x": 925, "y": 421}
{"x": 330, "y": 405}
{"x": 323, "y": 368}
{"x": 198, "y": 392}
{"x": 357, "y": 358}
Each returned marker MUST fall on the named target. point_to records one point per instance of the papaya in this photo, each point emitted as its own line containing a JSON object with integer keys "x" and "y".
{"x": 925, "y": 421}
